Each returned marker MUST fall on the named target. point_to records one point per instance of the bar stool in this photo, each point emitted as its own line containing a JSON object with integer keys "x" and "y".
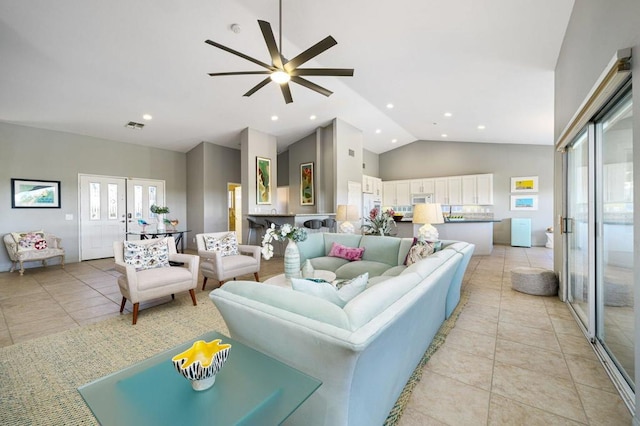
{"x": 313, "y": 224}
{"x": 330, "y": 224}
{"x": 257, "y": 229}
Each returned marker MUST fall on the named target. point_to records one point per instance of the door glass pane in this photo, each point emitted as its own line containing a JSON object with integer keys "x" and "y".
{"x": 578, "y": 226}
{"x": 137, "y": 201}
{"x": 112, "y": 199}
{"x": 153, "y": 197}
{"x": 94, "y": 201}
{"x": 615, "y": 265}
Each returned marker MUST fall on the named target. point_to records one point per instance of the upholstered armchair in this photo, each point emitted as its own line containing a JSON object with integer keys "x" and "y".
{"x": 223, "y": 258}
{"x": 147, "y": 273}
{"x": 31, "y": 247}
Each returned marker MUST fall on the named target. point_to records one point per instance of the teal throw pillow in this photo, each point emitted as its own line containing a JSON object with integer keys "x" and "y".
{"x": 330, "y": 293}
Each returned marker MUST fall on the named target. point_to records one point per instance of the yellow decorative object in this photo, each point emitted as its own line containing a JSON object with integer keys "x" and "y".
{"x": 201, "y": 362}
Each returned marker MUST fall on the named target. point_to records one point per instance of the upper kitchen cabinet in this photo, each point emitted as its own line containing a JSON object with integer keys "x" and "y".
{"x": 389, "y": 193}
{"x": 396, "y": 193}
{"x": 377, "y": 187}
{"x": 477, "y": 189}
{"x": 422, "y": 186}
{"x": 372, "y": 185}
{"x": 441, "y": 190}
{"x": 455, "y": 190}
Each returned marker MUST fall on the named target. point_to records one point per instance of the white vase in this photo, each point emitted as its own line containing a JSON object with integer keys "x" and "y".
{"x": 161, "y": 226}
{"x": 307, "y": 270}
{"x": 292, "y": 261}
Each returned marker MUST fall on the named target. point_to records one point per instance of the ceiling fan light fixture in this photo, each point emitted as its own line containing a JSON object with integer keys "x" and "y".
{"x": 280, "y": 77}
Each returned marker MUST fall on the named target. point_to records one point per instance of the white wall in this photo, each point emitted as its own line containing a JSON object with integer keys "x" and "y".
{"x": 27, "y": 152}
{"x": 348, "y": 140}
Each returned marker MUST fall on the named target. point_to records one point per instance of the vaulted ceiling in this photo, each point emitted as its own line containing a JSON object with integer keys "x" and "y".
{"x": 89, "y": 67}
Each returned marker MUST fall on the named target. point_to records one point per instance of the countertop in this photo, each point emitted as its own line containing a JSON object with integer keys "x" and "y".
{"x": 289, "y": 214}
{"x": 459, "y": 221}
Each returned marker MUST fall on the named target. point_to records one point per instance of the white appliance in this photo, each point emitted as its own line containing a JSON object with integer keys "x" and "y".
{"x": 421, "y": 199}
{"x": 370, "y": 202}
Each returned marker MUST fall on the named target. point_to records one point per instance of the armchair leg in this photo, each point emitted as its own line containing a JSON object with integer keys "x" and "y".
{"x": 255, "y": 274}
{"x": 204, "y": 283}
{"x": 135, "y": 312}
{"x": 193, "y": 297}
{"x": 124, "y": 300}
{"x": 173, "y": 296}
{"x": 21, "y": 268}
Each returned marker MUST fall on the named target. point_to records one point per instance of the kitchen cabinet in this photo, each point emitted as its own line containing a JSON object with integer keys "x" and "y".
{"x": 367, "y": 184}
{"x": 422, "y": 186}
{"x": 455, "y": 190}
{"x": 377, "y": 187}
{"x": 441, "y": 190}
{"x": 396, "y": 193}
{"x": 477, "y": 189}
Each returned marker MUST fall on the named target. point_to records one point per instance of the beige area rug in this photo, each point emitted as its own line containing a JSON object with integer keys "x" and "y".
{"x": 39, "y": 378}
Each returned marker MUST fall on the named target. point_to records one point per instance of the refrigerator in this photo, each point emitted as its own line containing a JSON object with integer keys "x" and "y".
{"x": 520, "y": 232}
{"x": 369, "y": 202}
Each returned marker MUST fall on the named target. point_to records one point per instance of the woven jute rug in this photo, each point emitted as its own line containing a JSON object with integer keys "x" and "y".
{"x": 39, "y": 378}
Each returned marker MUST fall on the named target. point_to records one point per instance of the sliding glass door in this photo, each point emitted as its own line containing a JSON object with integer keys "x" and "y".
{"x": 599, "y": 233}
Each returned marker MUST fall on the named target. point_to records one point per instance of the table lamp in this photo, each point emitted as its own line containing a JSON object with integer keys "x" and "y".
{"x": 428, "y": 214}
{"x": 345, "y": 214}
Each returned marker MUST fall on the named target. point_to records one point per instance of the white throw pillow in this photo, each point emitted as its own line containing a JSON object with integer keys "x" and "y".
{"x": 143, "y": 256}
{"x": 328, "y": 292}
{"x": 227, "y": 245}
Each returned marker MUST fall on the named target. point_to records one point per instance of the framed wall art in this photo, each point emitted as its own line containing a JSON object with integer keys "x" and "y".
{"x": 524, "y": 202}
{"x": 31, "y": 194}
{"x": 263, "y": 180}
{"x": 307, "y": 194}
{"x": 524, "y": 184}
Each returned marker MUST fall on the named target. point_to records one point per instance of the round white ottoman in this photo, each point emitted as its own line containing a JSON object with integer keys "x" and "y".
{"x": 535, "y": 281}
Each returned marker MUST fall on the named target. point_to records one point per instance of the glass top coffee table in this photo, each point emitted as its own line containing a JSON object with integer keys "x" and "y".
{"x": 251, "y": 389}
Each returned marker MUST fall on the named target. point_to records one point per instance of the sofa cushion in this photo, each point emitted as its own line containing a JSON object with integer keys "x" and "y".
{"x": 349, "y": 253}
{"x": 158, "y": 277}
{"x": 395, "y": 271}
{"x": 312, "y": 247}
{"x": 381, "y": 249}
{"x": 265, "y": 296}
{"x": 328, "y": 263}
{"x": 371, "y": 302}
{"x": 146, "y": 256}
{"x": 353, "y": 269}
{"x": 328, "y": 292}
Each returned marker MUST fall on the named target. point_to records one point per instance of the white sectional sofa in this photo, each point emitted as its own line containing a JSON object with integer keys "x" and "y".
{"x": 365, "y": 352}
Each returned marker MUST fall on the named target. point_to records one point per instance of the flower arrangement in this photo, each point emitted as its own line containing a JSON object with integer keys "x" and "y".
{"x": 379, "y": 223}
{"x": 159, "y": 210}
{"x": 285, "y": 232}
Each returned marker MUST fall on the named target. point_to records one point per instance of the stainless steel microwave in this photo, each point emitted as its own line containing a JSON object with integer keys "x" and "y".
{"x": 421, "y": 198}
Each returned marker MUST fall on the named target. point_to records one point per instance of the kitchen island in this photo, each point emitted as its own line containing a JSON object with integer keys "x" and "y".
{"x": 475, "y": 231}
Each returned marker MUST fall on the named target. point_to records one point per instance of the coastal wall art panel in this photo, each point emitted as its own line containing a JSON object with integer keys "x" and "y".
{"x": 524, "y": 184}
{"x": 307, "y": 194}
{"x": 263, "y": 180}
{"x": 27, "y": 194}
{"x": 524, "y": 202}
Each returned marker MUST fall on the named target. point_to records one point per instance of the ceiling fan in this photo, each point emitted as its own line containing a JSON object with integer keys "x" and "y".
{"x": 283, "y": 71}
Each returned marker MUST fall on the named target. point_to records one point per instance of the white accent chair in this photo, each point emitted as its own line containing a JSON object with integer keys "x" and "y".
{"x": 223, "y": 268}
{"x": 146, "y": 284}
{"x": 54, "y": 249}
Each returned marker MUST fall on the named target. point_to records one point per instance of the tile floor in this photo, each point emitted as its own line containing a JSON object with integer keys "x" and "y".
{"x": 512, "y": 359}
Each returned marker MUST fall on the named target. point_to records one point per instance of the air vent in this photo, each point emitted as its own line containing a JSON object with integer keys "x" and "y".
{"x": 134, "y": 125}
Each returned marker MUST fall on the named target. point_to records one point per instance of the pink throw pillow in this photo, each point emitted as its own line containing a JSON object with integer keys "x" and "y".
{"x": 349, "y": 253}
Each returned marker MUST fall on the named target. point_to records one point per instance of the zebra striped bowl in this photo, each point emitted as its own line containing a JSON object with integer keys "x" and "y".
{"x": 201, "y": 362}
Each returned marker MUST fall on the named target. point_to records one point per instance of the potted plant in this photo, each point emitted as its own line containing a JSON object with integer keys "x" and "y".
{"x": 160, "y": 212}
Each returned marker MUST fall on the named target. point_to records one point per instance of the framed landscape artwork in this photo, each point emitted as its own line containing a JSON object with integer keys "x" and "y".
{"x": 30, "y": 194}
{"x": 307, "y": 195}
{"x": 524, "y": 202}
{"x": 263, "y": 180}
{"x": 524, "y": 184}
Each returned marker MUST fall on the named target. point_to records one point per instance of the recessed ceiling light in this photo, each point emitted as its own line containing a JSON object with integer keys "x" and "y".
{"x": 444, "y": 135}
{"x": 394, "y": 140}
{"x": 378, "y": 131}
{"x": 447, "y": 114}
{"x": 389, "y": 105}
{"x": 312, "y": 117}
{"x": 481, "y": 127}
{"x": 274, "y": 118}
{"x": 147, "y": 116}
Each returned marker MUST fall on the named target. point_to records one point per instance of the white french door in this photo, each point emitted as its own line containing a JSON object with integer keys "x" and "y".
{"x": 102, "y": 215}
{"x": 110, "y": 207}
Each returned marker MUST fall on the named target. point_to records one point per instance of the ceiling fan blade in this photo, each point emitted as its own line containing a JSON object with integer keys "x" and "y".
{"x": 309, "y": 85}
{"x": 336, "y": 72}
{"x": 242, "y": 55}
{"x": 286, "y": 92}
{"x": 267, "y": 33}
{"x": 258, "y": 86}
{"x": 213, "y": 74}
{"x": 310, "y": 53}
